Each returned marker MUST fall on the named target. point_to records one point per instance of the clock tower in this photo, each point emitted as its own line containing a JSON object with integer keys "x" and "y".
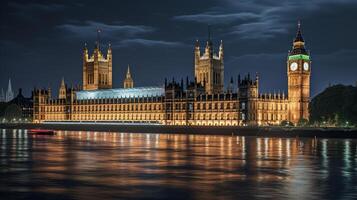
{"x": 299, "y": 71}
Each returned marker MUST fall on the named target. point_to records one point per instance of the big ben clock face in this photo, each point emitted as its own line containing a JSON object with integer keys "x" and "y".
{"x": 306, "y": 66}
{"x": 293, "y": 66}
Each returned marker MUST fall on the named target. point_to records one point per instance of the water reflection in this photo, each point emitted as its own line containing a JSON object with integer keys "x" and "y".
{"x": 93, "y": 165}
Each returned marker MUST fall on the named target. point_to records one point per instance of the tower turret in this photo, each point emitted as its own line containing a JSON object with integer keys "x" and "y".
{"x": 97, "y": 69}
{"x": 230, "y": 86}
{"x": 221, "y": 51}
{"x": 197, "y": 52}
{"x": 128, "y": 81}
{"x": 209, "y": 67}
{"x": 62, "y": 90}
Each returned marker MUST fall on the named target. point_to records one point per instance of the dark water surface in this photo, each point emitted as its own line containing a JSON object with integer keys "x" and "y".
{"x": 91, "y": 165}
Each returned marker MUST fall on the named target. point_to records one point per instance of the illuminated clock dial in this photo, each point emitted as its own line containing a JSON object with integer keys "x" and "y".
{"x": 293, "y": 66}
{"x": 306, "y": 66}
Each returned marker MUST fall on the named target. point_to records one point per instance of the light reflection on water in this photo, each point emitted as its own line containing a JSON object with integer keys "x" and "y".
{"x": 95, "y": 165}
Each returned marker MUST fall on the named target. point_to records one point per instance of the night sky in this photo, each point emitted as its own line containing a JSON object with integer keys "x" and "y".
{"x": 42, "y": 41}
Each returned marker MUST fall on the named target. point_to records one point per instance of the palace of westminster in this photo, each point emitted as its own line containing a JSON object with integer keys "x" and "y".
{"x": 202, "y": 102}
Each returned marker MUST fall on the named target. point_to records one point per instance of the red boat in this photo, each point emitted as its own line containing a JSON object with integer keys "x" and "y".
{"x": 41, "y": 132}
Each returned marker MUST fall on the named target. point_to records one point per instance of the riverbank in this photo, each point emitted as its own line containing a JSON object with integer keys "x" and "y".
{"x": 199, "y": 130}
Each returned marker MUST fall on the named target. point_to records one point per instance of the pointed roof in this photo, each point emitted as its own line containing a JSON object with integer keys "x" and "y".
{"x": 9, "y": 93}
{"x": 98, "y": 38}
{"x": 62, "y": 83}
{"x": 128, "y": 74}
{"x": 109, "y": 47}
{"x": 197, "y": 44}
{"x": 9, "y": 87}
{"x": 298, "y": 44}
{"x": 299, "y": 37}
{"x": 209, "y": 40}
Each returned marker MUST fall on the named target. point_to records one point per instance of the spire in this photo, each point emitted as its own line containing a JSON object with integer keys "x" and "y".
{"x": 62, "y": 82}
{"x": 230, "y": 86}
{"x": 209, "y": 42}
{"x": 257, "y": 78}
{"x": 62, "y": 90}
{"x": 128, "y": 81}
{"x": 128, "y": 74}
{"x": 9, "y": 87}
{"x": 9, "y": 92}
{"x": 197, "y": 45}
{"x": 98, "y": 38}
{"x": 85, "y": 52}
{"x": 299, "y": 43}
{"x": 221, "y": 50}
{"x": 85, "y": 47}
{"x": 299, "y": 37}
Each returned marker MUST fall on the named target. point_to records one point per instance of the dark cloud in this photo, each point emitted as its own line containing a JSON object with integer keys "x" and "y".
{"x": 264, "y": 20}
{"x": 88, "y": 29}
{"x": 156, "y": 38}
{"x": 31, "y": 7}
{"x": 33, "y": 11}
{"x": 146, "y": 42}
{"x": 216, "y": 18}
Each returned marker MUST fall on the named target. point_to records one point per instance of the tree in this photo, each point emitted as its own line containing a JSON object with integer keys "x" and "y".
{"x": 335, "y": 105}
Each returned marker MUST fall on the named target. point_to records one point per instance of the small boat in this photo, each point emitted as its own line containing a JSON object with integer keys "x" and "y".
{"x": 41, "y": 132}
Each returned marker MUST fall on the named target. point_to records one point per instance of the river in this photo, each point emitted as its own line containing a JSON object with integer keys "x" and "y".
{"x": 110, "y": 165}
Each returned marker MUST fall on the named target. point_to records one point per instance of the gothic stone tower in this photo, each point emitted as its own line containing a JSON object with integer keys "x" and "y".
{"x": 209, "y": 68}
{"x": 299, "y": 71}
{"x": 97, "y": 70}
{"x": 128, "y": 81}
{"x": 248, "y": 91}
{"x": 62, "y": 90}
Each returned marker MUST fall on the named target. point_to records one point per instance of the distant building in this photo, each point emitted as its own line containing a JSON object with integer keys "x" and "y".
{"x": 18, "y": 109}
{"x": 9, "y": 95}
{"x": 202, "y": 101}
{"x": 25, "y": 104}
{"x": 128, "y": 81}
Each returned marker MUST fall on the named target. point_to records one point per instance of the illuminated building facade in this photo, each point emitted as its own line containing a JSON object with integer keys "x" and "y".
{"x": 202, "y": 102}
{"x": 209, "y": 68}
{"x": 97, "y": 69}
